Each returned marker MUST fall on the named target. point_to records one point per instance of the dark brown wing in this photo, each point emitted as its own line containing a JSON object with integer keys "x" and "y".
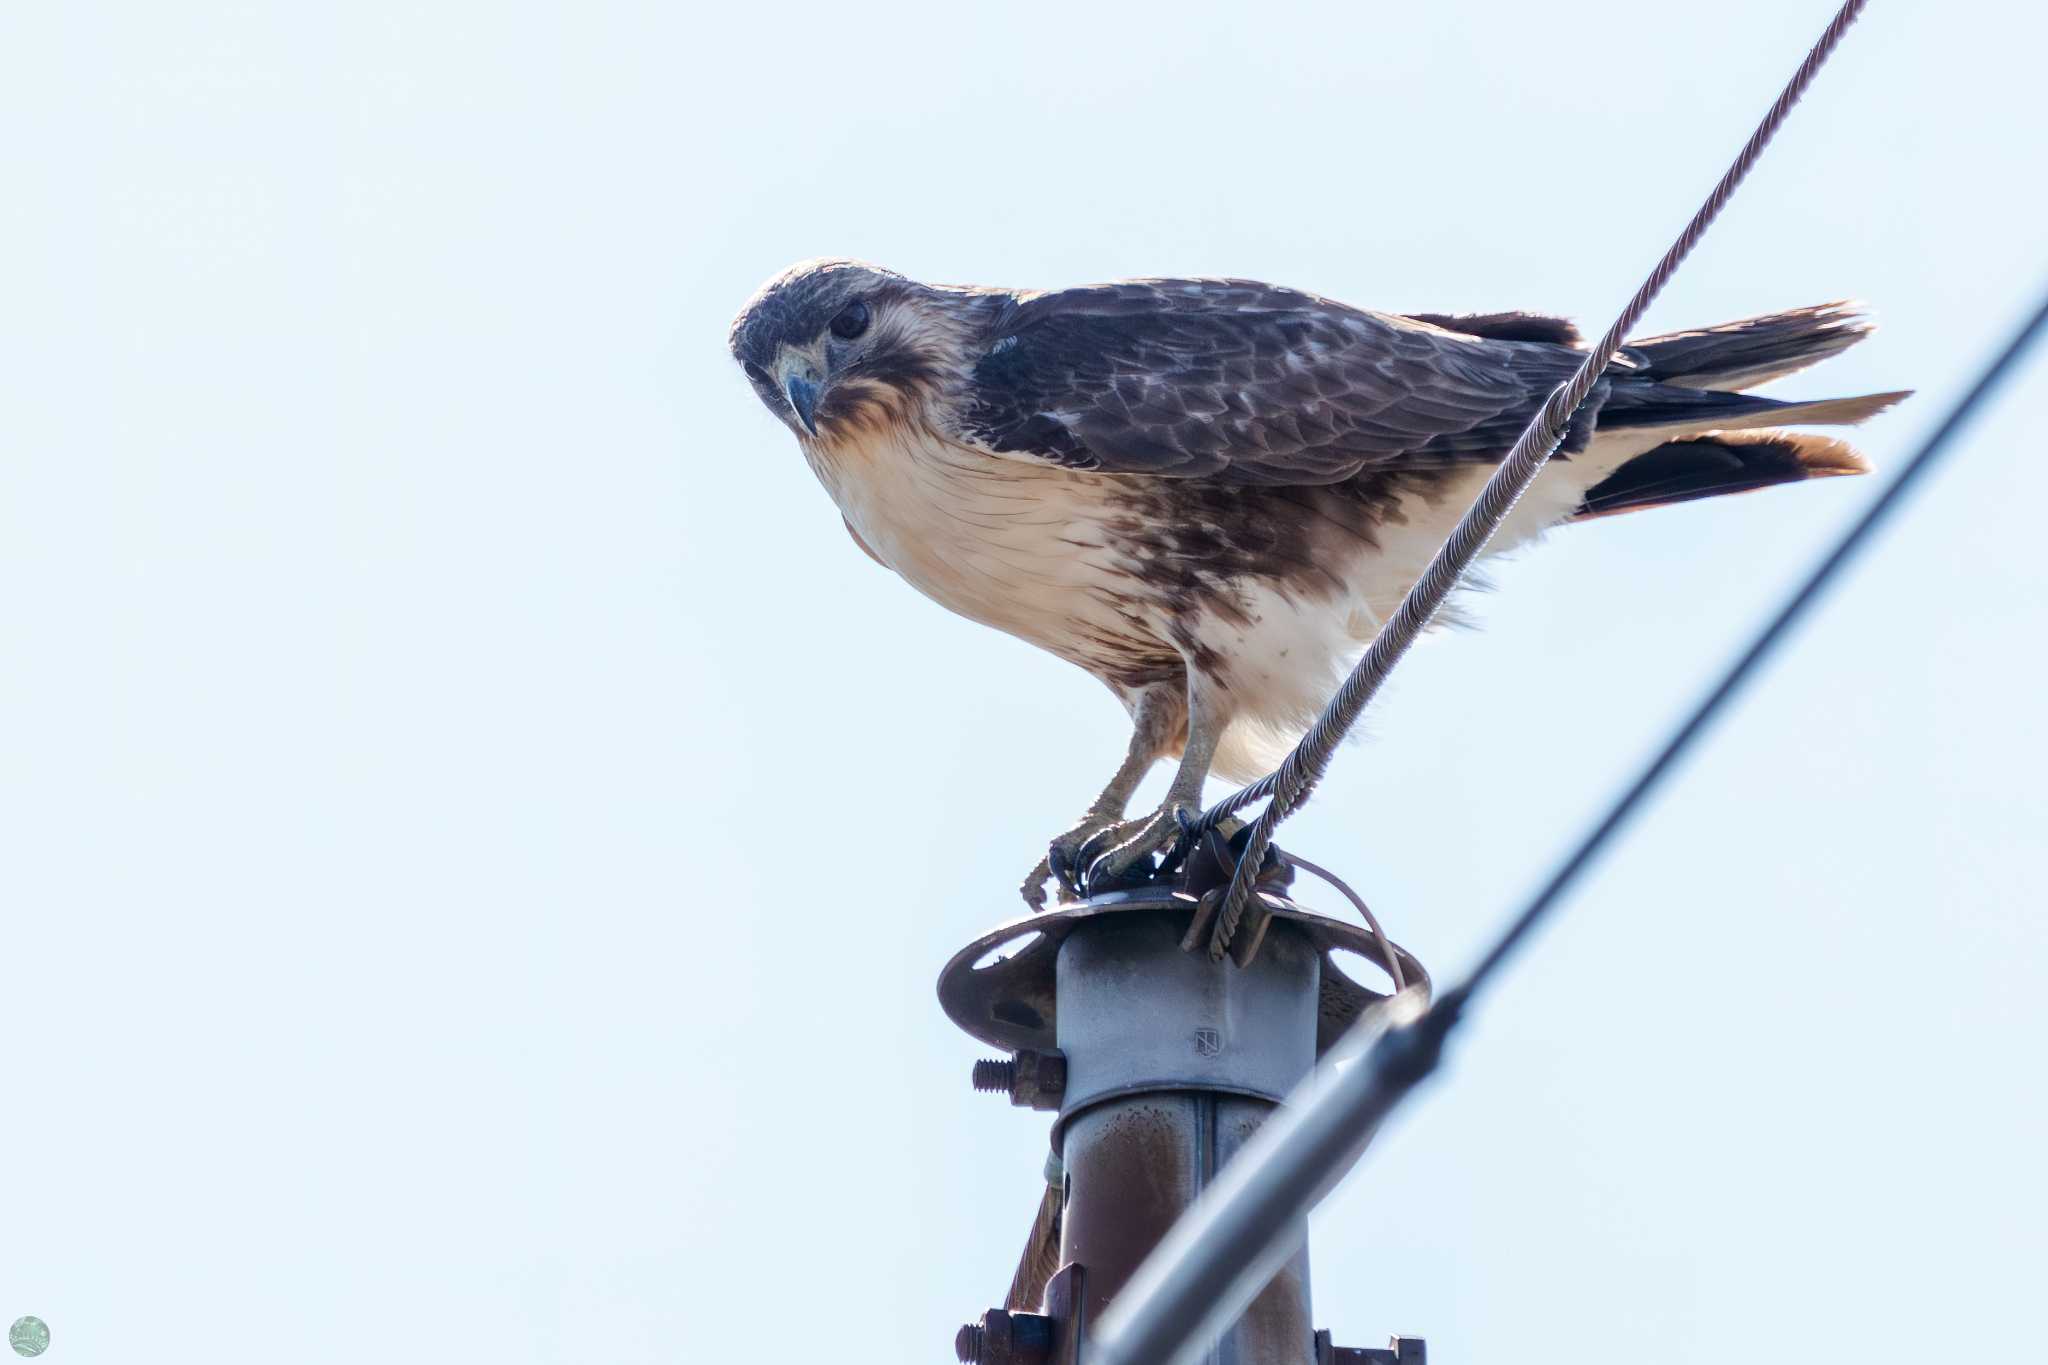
{"x": 1249, "y": 383}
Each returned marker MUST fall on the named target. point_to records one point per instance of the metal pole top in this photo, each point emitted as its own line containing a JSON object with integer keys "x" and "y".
{"x": 1002, "y": 988}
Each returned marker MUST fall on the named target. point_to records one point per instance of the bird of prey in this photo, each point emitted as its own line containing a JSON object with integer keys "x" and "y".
{"x": 1208, "y": 493}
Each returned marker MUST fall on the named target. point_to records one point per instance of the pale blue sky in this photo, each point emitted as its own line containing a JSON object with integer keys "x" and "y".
{"x": 478, "y": 838}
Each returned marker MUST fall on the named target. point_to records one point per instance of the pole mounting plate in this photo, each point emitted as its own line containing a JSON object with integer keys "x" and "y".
{"x": 1009, "y": 1001}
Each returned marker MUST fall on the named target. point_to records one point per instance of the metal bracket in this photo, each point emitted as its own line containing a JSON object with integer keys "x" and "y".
{"x": 1397, "y": 1351}
{"x": 1066, "y": 1306}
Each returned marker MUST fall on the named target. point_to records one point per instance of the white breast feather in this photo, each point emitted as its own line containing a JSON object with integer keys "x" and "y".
{"x": 1026, "y": 549}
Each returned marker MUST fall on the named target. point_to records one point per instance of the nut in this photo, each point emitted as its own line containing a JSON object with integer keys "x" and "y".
{"x": 1041, "y": 1080}
{"x": 1005, "y": 1338}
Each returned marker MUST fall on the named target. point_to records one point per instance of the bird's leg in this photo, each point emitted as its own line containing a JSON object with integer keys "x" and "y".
{"x": 1156, "y": 719}
{"x": 1207, "y": 717}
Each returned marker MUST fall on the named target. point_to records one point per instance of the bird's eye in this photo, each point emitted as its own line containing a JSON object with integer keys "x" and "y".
{"x": 851, "y": 322}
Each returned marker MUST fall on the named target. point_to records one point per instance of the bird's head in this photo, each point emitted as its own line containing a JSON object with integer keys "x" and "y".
{"x": 831, "y": 346}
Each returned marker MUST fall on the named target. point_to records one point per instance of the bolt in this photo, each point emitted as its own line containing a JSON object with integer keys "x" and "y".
{"x": 1005, "y": 1338}
{"x": 1032, "y": 1080}
{"x": 995, "y": 1077}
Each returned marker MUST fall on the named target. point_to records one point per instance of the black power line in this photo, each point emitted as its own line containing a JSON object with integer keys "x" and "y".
{"x": 1222, "y": 1251}
{"x": 1760, "y": 648}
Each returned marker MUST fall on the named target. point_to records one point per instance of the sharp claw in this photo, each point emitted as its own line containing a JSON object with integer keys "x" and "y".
{"x": 1097, "y": 856}
{"x": 1091, "y": 851}
{"x": 1110, "y": 868}
{"x": 1108, "y": 873}
{"x": 1060, "y": 862}
{"x": 1184, "y": 842}
{"x": 1131, "y": 861}
{"x": 1098, "y": 877}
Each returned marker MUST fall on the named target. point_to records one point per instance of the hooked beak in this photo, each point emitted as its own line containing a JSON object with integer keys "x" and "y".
{"x": 802, "y": 392}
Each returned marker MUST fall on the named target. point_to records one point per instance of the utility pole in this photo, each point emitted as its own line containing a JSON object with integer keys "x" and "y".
{"x": 1160, "y": 1065}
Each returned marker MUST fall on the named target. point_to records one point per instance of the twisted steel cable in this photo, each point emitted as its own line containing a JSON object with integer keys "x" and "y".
{"x": 1222, "y": 1253}
{"x": 1290, "y": 784}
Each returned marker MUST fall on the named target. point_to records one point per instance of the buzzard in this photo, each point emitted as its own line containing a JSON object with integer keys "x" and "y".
{"x": 1208, "y": 493}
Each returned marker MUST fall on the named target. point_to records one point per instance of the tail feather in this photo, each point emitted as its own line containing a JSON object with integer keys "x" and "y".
{"x": 1634, "y": 405}
{"x": 1681, "y": 396}
{"x": 1714, "y": 463}
{"x": 1753, "y": 351}
{"x": 1818, "y": 412}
